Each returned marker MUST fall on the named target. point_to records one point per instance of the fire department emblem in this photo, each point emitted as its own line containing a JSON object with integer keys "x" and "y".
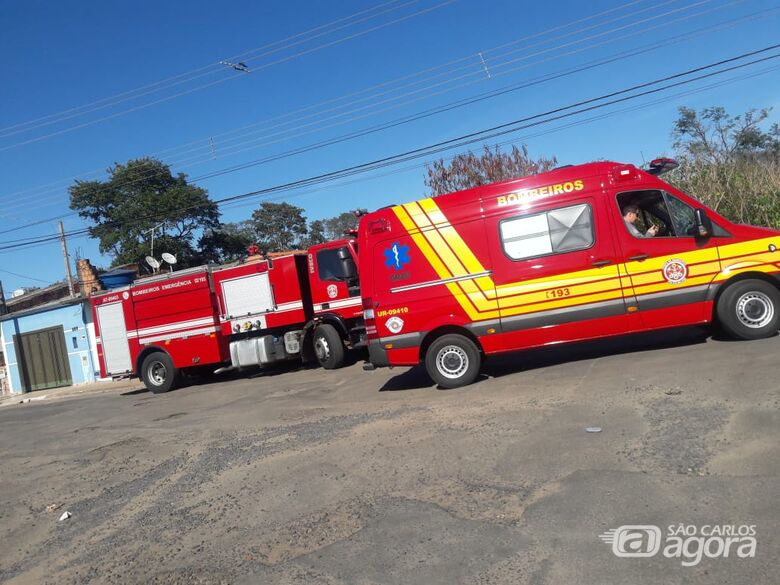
{"x": 125, "y": 295}
{"x": 675, "y": 271}
{"x": 333, "y": 291}
{"x": 394, "y": 324}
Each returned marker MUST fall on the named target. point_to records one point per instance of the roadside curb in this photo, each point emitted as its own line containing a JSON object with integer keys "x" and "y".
{"x": 69, "y": 391}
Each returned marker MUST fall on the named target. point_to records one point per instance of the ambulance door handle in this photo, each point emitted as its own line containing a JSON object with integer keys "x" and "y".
{"x": 599, "y": 263}
{"x": 638, "y": 257}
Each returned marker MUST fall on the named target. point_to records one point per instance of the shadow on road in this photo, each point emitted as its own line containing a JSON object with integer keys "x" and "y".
{"x": 412, "y": 379}
{"x": 504, "y": 364}
{"x": 206, "y": 377}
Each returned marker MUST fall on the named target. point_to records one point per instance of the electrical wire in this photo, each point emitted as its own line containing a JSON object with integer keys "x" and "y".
{"x": 218, "y": 81}
{"x": 23, "y": 276}
{"x": 82, "y": 233}
{"x": 553, "y": 115}
{"x": 613, "y": 38}
{"x": 187, "y": 76}
{"x": 296, "y": 113}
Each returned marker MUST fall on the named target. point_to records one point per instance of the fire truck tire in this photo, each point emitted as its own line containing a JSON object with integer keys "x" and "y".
{"x": 158, "y": 373}
{"x": 452, "y": 361}
{"x": 749, "y": 309}
{"x": 328, "y": 347}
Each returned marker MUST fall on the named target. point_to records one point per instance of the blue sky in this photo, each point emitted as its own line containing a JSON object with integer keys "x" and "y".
{"x": 60, "y": 56}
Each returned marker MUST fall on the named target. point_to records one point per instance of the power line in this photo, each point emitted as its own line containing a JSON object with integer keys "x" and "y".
{"x": 23, "y": 276}
{"x": 254, "y": 163}
{"x": 211, "y": 68}
{"x": 296, "y": 113}
{"x": 81, "y": 233}
{"x": 232, "y": 150}
{"x": 429, "y": 112}
{"x": 422, "y": 93}
{"x": 555, "y": 114}
{"x": 415, "y": 166}
{"x": 218, "y": 81}
{"x": 476, "y": 136}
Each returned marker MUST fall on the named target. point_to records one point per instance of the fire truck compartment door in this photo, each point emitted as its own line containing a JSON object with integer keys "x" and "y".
{"x": 247, "y": 295}
{"x": 113, "y": 337}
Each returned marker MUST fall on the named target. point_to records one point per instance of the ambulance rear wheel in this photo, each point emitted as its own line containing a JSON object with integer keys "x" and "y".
{"x": 328, "y": 347}
{"x": 750, "y": 309}
{"x": 158, "y": 373}
{"x": 452, "y": 361}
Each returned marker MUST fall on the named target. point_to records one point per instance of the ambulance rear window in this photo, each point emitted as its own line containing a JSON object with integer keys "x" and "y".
{"x": 551, "y": 232}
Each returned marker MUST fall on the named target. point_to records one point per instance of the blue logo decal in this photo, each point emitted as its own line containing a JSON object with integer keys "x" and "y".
{"x": 396, "y": 256}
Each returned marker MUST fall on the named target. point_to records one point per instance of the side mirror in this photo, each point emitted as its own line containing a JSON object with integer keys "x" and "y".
{"x": 343, "y": 253}
{"x": 703, "y": 224}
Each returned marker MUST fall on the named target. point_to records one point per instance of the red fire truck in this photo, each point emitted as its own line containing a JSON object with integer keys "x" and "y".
{"x": 298, "y": 306}
{"x": 577, "y": 253}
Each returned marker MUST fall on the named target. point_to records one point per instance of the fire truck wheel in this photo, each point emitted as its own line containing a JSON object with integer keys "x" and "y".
{"x": 750, "y": 309}
{"x": 453, "y": 360}
{"x": 328, "y": 347}
{"x": 158, "y": 373}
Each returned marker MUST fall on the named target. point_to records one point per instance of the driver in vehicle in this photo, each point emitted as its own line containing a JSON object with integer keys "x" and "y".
{"x": 630, "y": 215}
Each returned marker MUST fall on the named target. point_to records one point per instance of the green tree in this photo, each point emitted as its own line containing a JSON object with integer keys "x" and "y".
{"x": 226, "y": 243}
{"x": 139, "y": 198}
{"x": 470, "y": 170}
{"x": 336, "y": 226}
{"x": 713, "y": 136}
{"x": 277, "y": 227}
{"x": 316, "y": 233}
{"x": 730, "y": 163}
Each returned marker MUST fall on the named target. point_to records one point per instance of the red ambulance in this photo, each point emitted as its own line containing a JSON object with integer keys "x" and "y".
{"x": 211, "y": 318}
{"x": 581, "y": 252}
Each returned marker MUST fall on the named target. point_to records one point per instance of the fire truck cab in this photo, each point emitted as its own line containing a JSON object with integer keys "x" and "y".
{"x": 337, "y": 324}
{"x": 578, "y": 253}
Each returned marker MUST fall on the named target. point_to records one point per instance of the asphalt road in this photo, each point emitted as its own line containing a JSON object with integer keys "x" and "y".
{"x": 378, "y": 478}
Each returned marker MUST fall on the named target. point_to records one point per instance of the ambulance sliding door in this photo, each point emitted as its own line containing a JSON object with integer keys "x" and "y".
{"x": 556, "y": 270}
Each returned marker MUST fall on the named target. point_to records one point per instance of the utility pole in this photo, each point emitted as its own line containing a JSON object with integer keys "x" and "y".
{"x": 67, "y": 260}
{"x": 3, "y": 307}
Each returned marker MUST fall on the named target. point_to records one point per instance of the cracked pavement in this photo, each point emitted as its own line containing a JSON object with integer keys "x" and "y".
{"x": 352, "y": 477}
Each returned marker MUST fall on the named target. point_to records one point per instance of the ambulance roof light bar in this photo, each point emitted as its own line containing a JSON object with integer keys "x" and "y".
{"x": 659, "y": 166}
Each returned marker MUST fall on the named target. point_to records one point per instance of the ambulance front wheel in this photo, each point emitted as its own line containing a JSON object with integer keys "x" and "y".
{"x": 453, "y": 360}
{"x": 328, "y": 347}
{"x": 158, "y": 372}
{"x": 749, "y": 309}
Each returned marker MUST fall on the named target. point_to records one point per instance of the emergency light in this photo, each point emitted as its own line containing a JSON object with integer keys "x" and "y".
{"x": 659, "y": 166}
{"x": 377, "y": 226}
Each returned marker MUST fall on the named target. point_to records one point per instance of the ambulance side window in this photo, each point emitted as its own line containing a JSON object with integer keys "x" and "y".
{"x": 555, "y": 231}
